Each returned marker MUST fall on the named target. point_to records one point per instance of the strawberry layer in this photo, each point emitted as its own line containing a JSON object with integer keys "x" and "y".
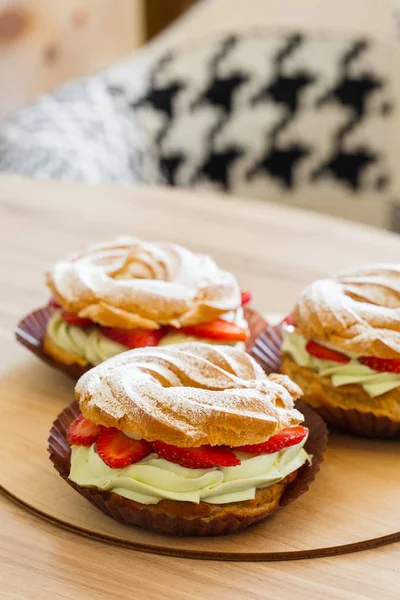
{"x": 374, "y": 383}
{"x": 153, "y": 478}
{"x": 94, "y": 347}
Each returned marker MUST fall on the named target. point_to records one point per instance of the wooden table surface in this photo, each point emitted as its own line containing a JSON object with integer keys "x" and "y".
{"x": 274, "y": 251}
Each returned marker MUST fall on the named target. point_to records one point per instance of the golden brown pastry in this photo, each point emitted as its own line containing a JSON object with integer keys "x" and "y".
{"x": 188, "y": 395}
{"x": 342, "y": 346}
{"x": 128, "y": 283}
{"x": 186, "y": 438}
{"x": 128, "y": 294}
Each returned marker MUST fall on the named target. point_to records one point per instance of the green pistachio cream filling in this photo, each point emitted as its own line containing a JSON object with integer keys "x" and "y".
{"x": 374, "y": 383}
{"x": 92, "y": 346}
{"x": 153, "y": 478}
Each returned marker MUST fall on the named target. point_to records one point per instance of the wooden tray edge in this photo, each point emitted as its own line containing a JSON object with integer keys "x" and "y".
{"x": 369, "y": 544}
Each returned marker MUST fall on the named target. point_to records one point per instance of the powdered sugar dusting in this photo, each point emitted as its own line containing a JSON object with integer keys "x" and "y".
{"x": 157, "y": 282}
{"x": 358, "y": 311}
{"x": 197, "y": 391}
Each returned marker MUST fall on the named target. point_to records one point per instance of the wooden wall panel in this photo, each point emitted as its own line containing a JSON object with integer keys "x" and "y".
{"x": 46, "y": 42}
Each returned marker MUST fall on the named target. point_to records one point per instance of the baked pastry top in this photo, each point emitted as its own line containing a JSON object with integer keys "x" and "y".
{"x": 189, "y": 395}
{"x": 128, "y": 283}
{"x": 357, "y": 311}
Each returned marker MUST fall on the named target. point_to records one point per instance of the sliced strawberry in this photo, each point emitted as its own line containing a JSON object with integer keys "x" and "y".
{"x": 390, "y": 365}
{"x": 218, "y": 330}
{"x": 118, "y": 450}
{"x": 73, "y": 319}
{"x": 325, "y": 353}
{"x": 134, "y": 338}
{"x": 203, "y": 457}
{"x": 246, "y": 297}
{"x": 284, "y": 439}
{"x": 83, "y": 432}
{"x": 53, "y": 303}
{"x": 289, "y": 320}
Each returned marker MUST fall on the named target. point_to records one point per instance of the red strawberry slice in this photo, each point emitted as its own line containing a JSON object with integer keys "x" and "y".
{"x": 73, "y": 319}
{"x": 83, "y": 432}
{"x": 118, "y": 450}
{"x": 246, "y": 297}
{"x": 284, "y": 439}
{"x": 134, "y": 338}
{"x": 390, "y": 365}
{"x": 289, "y": 320}
{"x": 218, "y": 330}
{"x": 325, "y": 353}
{"x": 53, "y": 303}
{"x": 203, "y": 457}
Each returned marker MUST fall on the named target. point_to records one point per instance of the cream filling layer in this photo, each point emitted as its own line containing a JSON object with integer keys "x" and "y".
{"x": 374, "y": 383}
{"x": 153, "y": 479}
{"x": 95, "y": 348}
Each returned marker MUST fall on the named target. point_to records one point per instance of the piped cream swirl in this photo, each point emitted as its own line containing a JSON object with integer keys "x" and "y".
{"x": 373, "y": 382}
{"x": 92, "y": 347}
{"x": 153, "y": 479}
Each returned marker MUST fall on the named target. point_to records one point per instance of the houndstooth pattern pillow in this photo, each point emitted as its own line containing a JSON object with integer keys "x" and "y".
{"x": 299, "y": 118}
{"x": 78, "y": 133}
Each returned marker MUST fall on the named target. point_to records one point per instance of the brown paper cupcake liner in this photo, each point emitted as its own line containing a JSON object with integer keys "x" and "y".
{"x": 30, "y": 333}
{"x": 31, "y": 330}
{"x": 267, "y": 350}
{"x": 358, "y": 423}
{"x": 124, "y": 511}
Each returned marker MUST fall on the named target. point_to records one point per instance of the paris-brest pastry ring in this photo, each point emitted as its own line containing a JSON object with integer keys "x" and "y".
{"x": 189, "y": 439}
{"x": 128, "y": 283}
{"x": 188, "y": 395}
{"x": 357, "y": 311}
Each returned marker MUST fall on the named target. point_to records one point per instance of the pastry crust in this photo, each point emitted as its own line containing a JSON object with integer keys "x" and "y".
{"x": 60, "y": 355}
{"x": 130, "y": 284}
{"x": 358, "y": 311}
{"x": 189, "y": 395}
{"x": 319, "y": 392}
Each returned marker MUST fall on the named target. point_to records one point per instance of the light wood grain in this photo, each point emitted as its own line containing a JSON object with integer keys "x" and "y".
{"x": 275, "y": 251}
{"x": 46, "y": 42}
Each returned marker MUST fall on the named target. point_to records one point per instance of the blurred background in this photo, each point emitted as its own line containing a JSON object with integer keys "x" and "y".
{"x": 46, "y": 42}
{"x": 294, "y": 101}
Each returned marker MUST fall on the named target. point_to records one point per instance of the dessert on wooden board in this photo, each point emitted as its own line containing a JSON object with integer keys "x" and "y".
{"x": 341, "y": 345}
{"x": 189, "y": 439}
{"x": 128, "y": 294}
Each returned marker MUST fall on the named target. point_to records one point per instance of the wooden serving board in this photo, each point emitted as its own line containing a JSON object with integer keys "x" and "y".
{"x": 352, "y": 504}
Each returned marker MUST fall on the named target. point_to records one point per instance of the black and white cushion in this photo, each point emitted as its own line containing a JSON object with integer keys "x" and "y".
{"x": 289, "y": 116}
